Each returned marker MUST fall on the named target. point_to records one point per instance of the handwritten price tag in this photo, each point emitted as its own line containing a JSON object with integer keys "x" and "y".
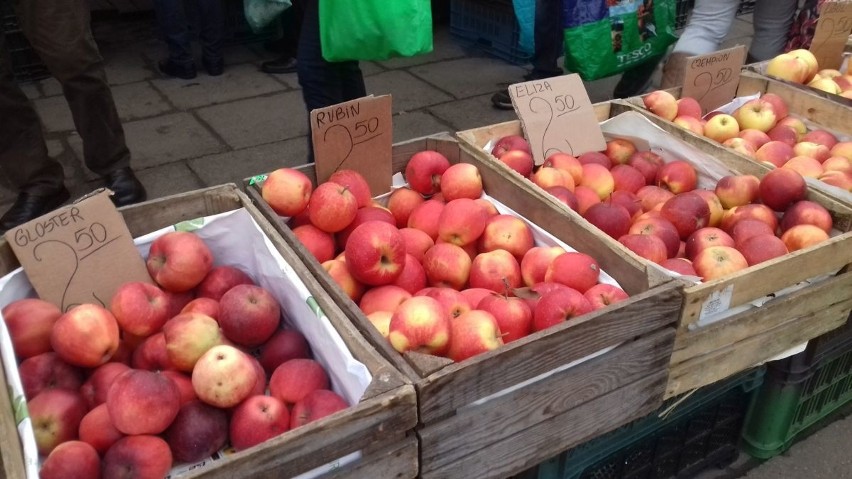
{"x": 832, "y": 30}
{"x": 557, "y": 116}
{"x": 79, "y": 253}
{"x": 355, "y": 135}
{"x": 712, "y": 79}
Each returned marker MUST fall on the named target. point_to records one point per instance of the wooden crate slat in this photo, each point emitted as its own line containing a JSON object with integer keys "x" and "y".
{"x": 396, "y": 460}
{"x": 549, "y": 438}
{"x": 499, "y": 419}
{"x": 457, "y": 386}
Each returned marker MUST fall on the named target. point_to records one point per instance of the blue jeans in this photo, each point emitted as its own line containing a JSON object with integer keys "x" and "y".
{"x": 549, "y": 39}
{"x": 323, "y": 83}
{"x": 172, "y": 20}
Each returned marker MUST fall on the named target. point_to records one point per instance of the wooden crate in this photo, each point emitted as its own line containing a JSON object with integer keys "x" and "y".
{"x": 812, "y": 108}
{"x": 380, "y": 425}
{"x": 471, "y": 423}
{"x": 705, "y": 355}
{"x": 759, "y": 69}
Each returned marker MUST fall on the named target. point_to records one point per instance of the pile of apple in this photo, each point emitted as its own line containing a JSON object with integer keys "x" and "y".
{"x": 656, "y": 209}
{"x": 801, "y": 66}
{"x": 166, "y": 373}
{"x": 438, "y": 270}
{"x": 762, "y": 130}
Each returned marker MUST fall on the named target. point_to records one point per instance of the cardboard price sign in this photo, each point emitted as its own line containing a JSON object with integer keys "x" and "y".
{"x": 81, "y": 253}
{"x": 355, "y": 135}
{"x": 557, "y": 116}
{"x": 712, "y": 79}
{"x": 832, "y": 30}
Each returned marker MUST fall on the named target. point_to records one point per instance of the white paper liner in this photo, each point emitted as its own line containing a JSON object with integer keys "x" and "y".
{"x": 235, "y": 239}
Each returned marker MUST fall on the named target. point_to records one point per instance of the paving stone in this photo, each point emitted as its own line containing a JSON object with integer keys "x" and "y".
{"x": 369, "y": 69}
{"x": 167, "y": 180}
{"x": 256, "y": 121}
{"x": 445, "y": 47}
{"x": 409, "y": 92}
{"x": 416, "y": 124}
{"x": 471, "y": 113}
{"x": 239, "y": 81}
{"x": 165, "y": 139}
{"x": 30, "y": 89}
{"x": 50, "y": 86}
{"x": 235, "y": 166}
{"x": 469, "y": 77}
{"x": 138, "y": 100}
{"x": 124, "y": 66}
{"x": 54, "y": 113}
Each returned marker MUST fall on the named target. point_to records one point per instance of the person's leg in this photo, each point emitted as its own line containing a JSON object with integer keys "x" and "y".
{"x": 549, "y": 39}
{"x": 772, "y": 21}
{"x": 61, "y": 35}
{"x": 212, "y": 25}
{"x": 171, "y": 19}
{"x": 637, "y": 79}
{"x": 708, "y": 25}
{"x": 291, "y": 23}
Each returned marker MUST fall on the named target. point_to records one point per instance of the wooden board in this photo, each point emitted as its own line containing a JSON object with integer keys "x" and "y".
{"x": 513, "y": 372}
{"x": 380, "y": 422}
{"x": 747, "y": 285}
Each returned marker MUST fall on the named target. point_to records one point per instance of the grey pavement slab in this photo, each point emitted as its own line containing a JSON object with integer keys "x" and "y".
{"x": 260, "y": 120}
{"x": 471, "y": 113}
{"x": 416, "y": 124}
{"x": 369, "y": 69}
{"x": 169, "y": 179}
{"x": 126, "y": 66}
{"x": 409, "y": 92}
{"x": 165, "y": 139}
{"x": 139, "y": 100}
{"x": 54, "y": 113}
{"x": 50, "y": 87}
{"x": 30, "y": 90}
{"x": 235, "y": 166}
{"x": 445, "y": 47}
{"x": 468, "y": 77}
{"x": 239, "y": 81}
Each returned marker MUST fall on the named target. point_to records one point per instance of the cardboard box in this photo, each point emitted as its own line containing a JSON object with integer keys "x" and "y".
{"x": 371, "y": 438}
{"x": 704, "y": 354}
{"x": 501, "y": 412}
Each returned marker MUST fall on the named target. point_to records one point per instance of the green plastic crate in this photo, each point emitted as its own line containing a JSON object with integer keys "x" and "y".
{"x": 700, "y": 431}
{"x": 800, "y": 392}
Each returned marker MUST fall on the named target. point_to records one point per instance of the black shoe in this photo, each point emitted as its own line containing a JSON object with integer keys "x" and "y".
{"x": 127, "y": 189}
{"x": 28, "y": 207}
{"x": 281, "y": 65}
{"x": 214, "y": 67}
{"x": 186, "y": 72}
{"x": 502, "y": 101}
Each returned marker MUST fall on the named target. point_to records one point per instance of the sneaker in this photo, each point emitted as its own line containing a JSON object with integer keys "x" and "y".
{"x": 501, "y": 100}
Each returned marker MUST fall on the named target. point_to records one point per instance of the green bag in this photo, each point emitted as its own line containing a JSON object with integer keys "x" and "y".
{"x": 605, "y": 37}
{"x": 259, "y": 13}
{"x": 374, "y": 29}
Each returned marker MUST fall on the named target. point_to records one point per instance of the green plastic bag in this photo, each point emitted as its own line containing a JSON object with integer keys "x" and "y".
{"x": 374, "y": 29}
{"x": 606, "y": 37}
{"x": 259, "y": 13}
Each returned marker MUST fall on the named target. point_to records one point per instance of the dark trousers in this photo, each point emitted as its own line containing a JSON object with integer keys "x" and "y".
{"x": 323, "y": 83}
{"x": 172, "y": 19}
{"x": 60, "y": 33}
{"x": 549, "y": 39}
{"x": 291, "y": 29}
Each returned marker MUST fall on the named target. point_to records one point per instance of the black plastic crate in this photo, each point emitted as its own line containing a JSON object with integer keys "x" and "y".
{"x": 491, "y": 25}
{"x": 690, "y": 433}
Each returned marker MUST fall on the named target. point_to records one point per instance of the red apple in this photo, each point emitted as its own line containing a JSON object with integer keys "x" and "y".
{"x": 595, "y": 157}
{"x": 356, "y": 183}
{"x": 375, "y": 253}
{"x": 737, "y": 190}
{"x": 783, "y": 134}
{"x": 496, "y": 270}
{"x": 86, "y": 335}
{"x": 756, "y": 138}
{"x": 612, "y": 219}
{"x": 205, "y": 306}
{"x": 140, "y": 308}
{"x": 586, "y": 197}
{"x": 223, "y": 376}
{"x": 648, "y": 163}
{"x": 462, "y": 221}
{"x": 679, "y": 265}
{"x": 781, "y": 188}
{"x": 806, "y": 212}
{"x": 536, "y": 261}
{"x": 447, "y": 265}
{"x": 779, "y": 106}
{"x": 97, "y": 430}
{"x": 55, "y": 415}
{"x": 461, "y": 180}
{"x": 401, "y": 202}
{"x": 315, "y": 406}
{"x": 413, "y": 276}
{"x": 602, "y": 295}
{"x": 578, "y": 271}
{"x": 94, "y": 390}
{"x": 762, "y": 247}
{"x": 472, "y": 333}
{"x": 318, "y": 242}
{"x": 137, "y": 456}
{"x": 661, "y": 228}
{"x": 627, "y": 178}
{"x": 650, "y": 196}
{"x": 294, "y": 379}
{"x": 142, "y": 402}
{"x": 649, "y": 247}
{"x": 509, "y": 143}
{"x": 423, "y": 171}
{"x": 718, "y": 261}
{"x": 284, "y": 345}
{"x": 745, "y": 229}
{"x": 513, "y": 315}
{"x": 705, "y": 238}
{"x": 619, "y": 150}
{"x": 219, "y": 280}
{"x": 383, "y": 298}
{"x": 420, "y": 324}
{"x": 506, "y": 232}
{"x": 184, "y": 384}
{"x": 178, "y": 261}
{"x": 152, "y": 354}
{"x": 188, "y": 336}
{"x": 248, "y": 315}
{"x": 559, "y": 306}
{"x": 198, "y": 431}
{"x": 518, "y": 160}
{"x": 688, "y": 212}
{"x": 661, "y": 103}
{"x": 332, "y": 207}
{"x": 803, "y": 236}
{"x": 566, "y": 196}
{"x": 287, "y": 191}
{"x": 417, "y": 242}
{"x": 71, "y": 459}
{"x": 599, "y": 179}
{"x": 566, "y": 163}
{"x": 29, "y": 322}
{"x": 677, "y": 177}
{"x": 258, "y": 419}
{"x": 48, "y": 371}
